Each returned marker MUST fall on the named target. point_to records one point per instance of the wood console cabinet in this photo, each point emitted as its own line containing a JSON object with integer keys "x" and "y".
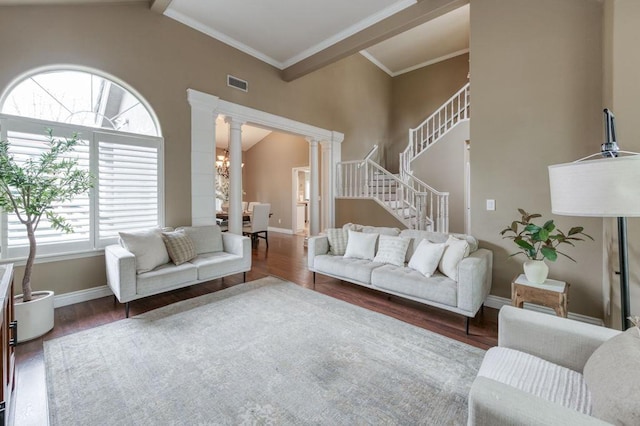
{"x": 8, "y": 339}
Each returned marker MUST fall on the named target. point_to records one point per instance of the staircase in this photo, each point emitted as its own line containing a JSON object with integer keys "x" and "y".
{"x": 413, "y": 202}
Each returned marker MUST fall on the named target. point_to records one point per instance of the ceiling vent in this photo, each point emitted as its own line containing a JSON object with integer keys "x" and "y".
{"x": 237, "y": 83}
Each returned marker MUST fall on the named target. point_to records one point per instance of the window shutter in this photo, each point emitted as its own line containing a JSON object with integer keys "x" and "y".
{"x": 128, "y": 184}
{"x": 24, "y": 145}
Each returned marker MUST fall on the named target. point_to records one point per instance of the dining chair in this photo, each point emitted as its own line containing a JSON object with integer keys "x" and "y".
{"x": 245, "y": 206}
{"x": 251, "y": 205}
{"x": 258, "y": 228}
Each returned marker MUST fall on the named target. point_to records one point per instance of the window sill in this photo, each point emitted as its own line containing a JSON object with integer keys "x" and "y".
{"x": 59, "y": 257}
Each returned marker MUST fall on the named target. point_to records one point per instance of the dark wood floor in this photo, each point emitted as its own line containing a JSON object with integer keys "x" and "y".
{"x": 285, "y": 258}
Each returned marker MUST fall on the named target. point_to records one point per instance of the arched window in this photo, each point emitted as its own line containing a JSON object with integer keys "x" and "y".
{"x": 121, "y": 146}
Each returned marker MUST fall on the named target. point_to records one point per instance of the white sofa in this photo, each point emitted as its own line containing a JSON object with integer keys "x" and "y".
{"x": 217, "y": 254}
{"x": 464, "y": 296}
{"x": 552, "y": 370}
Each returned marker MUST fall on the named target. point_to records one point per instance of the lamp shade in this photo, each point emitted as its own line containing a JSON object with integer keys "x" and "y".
{"x": 607, "y": 187}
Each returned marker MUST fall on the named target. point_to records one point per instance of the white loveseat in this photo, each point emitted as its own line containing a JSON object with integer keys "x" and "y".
{"x": 463, "y": 296}
{"x": 131, "y": 274}
{"x": 553, "y": 370}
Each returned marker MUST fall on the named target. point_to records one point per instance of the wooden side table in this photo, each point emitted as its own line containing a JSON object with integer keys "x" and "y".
{"x": 552, "y": 294}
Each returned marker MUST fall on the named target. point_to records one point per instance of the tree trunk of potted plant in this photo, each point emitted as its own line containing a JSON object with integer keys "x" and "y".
{"x": 31, "y": 189}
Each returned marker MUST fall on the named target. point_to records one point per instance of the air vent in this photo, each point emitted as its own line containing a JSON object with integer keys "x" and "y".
{"x": 237, "y": 83}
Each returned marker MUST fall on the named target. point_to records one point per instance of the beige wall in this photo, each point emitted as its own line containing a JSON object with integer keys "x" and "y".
{"x": 162, "y": 58}
{"x": 417, "y": 94}
{"x": 364, "y": 212}
{"x": 536, "y": 79}
{"x": 622, "y": 33}
{"x": 442, "y": 166}
{"x": 268, "y": 176}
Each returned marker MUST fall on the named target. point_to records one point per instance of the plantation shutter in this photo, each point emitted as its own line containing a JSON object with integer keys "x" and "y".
{"x": 129, "y": 192}
{"x": 28, "y": 141}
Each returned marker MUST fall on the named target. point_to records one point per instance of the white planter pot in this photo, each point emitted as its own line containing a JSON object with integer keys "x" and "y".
{"x": 35, "y": 318}
{"x": 536, "y": 271}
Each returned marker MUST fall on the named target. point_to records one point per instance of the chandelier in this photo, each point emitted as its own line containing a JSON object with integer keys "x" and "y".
{"x": 223, "y": 163}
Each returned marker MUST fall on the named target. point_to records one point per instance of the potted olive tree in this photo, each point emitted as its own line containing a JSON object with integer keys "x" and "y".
{"x": 538, "y": 243}
{"x": 30, "y": 189}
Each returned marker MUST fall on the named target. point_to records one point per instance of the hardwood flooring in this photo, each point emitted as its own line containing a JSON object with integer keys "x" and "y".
{"x": 285, "y": 258}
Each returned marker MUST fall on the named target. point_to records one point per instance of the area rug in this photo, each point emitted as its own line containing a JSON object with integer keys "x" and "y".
{"x": 264, "y": 352}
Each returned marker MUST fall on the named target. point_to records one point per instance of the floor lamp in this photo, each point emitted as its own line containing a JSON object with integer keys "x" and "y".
{"x": 605, "y": 187}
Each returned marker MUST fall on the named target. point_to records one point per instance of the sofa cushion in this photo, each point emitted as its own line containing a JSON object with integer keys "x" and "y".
{"x": 613, "y": 376}
{"x": 338, "y": 238}
{"x": 391, "y": 250}
{"x": 215, "y": 265}
{"x": 435, "y": 237}
{"x": 406, "y": 281}
{"x": 455, "y": 250}
{"x": 148, "y": 248}
{"x": 179, "y": 246}
{"x": 206, "y": 239}
{"x": 165, "y": 277}
{"x": 427, "y": 257}
{"x": 361, "y": 245}
{"x": 357, "y": 270}
{"x": 538, "y": 377}
{"x": 381, "y": 230}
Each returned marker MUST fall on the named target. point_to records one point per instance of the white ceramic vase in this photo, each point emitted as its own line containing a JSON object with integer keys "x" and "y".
{"x": 35, "y": 317}
{"x": 536, "y": 271}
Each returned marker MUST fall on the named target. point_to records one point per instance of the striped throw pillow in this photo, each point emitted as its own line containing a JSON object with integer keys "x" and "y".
{"x": 179, "y": 246}
{"x": 338, "y": 239}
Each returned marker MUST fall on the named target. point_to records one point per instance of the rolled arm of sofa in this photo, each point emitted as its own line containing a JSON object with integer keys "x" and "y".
{"x": 474, "y": 280}
{"x": 238, "y": 245}
{"x": 493, "y": 403}
{"x": 316, "y": 246}
{"x": 121, "y": 272}
{"x": 559, "y": 340}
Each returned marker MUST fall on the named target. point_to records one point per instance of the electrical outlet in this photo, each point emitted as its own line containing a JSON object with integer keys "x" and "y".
{"x": 279, "y": 221}
{"x": 491, "y": 205}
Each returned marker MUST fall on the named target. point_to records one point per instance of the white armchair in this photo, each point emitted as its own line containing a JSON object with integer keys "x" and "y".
{"x": 551, "y": 370}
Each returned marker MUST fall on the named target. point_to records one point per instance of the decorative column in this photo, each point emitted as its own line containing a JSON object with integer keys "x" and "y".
{"x": 235, "y": 175}
{"x": 314, "y": 199}
{"x": 325, "y": 186}
{"x": 203, "y": 153}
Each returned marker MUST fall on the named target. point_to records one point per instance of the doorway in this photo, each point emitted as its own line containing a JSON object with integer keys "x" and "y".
{"x": 300, "y": 193}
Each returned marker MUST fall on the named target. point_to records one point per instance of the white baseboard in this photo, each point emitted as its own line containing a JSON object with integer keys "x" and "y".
{"x": 497, "y": 302}
{"x": 81, "y": 296}
{"x": 280, "y": 230}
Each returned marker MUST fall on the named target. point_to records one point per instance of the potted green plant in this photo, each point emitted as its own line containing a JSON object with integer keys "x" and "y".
{"x": 538, "y": 243}
{"x": 30, "y": 189}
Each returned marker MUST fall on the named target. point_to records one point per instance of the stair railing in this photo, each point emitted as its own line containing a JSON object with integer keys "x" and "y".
{"x": 455, "y": 109}
{"x": 414, "y": 203}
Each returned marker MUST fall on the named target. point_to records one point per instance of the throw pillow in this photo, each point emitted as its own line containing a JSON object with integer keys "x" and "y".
{"x": 391, "y": 250}
{"x": 147, "y": 247}
{"x": 338, "y": 238}
{"x": 361, "y": 245}
{"x": 455, "y": 250}
{"x": 179, "y": 246}
{"x": 206, "y": 239}
{"x": 612, "y": 374}
{"x": 426, "y": 257}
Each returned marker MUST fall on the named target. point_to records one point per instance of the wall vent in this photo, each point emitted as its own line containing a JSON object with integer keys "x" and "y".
{"x": 237, "y": 83}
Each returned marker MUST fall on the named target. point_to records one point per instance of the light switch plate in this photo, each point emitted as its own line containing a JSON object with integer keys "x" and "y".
{"x": 491, "y": 205}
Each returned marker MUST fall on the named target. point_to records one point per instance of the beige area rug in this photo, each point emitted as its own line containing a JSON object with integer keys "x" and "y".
{"x": 264, "y": 352}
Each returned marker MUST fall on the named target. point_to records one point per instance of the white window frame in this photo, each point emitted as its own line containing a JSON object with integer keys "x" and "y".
{"x": 37, "y": 126}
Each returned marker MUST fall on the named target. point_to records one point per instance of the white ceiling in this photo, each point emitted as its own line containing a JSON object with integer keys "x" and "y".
{"x": 250, "y": 135}
{"x": 282, "y": 32}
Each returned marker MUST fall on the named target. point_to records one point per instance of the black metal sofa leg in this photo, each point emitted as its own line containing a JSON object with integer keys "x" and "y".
{"x": 467, "y": 325}
{"x": 126, "y": 309}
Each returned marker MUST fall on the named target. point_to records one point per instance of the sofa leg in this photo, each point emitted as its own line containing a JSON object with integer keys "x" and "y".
{"x": 126, "y": 309}
{"x": 467, "y": 325}
{"x": 244, "y": 277}
{"x": 314, "y": 280}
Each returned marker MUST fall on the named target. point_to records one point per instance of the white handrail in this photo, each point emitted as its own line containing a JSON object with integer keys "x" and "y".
{"x": 455, "y": 109}
{"x": 414, "y": 203}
